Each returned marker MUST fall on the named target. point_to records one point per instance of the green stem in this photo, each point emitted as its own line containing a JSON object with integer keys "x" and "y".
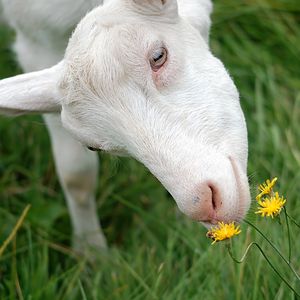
{"x": 277, "y": 251}
{"x": 293, "y": 220}
{"x": 289, "y": 235}
{"x": 266, "y": 258}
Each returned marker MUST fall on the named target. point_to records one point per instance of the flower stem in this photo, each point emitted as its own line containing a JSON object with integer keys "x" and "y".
{"x": 288, "y": 231}
{"x": 293, "y": 220}
{"x": 275, "y": 248}
{"x": 266, "y": 258}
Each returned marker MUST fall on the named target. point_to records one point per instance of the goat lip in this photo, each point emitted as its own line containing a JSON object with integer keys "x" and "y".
{"x": 209, "y": 223}
{"x": 213, "y": 223}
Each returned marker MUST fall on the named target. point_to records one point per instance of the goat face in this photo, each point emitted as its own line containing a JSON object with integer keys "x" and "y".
{"x": 138, "y": 79}
{"x": 141, "y": 80}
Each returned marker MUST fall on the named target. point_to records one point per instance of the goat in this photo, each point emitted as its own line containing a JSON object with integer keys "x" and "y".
{"x": 137, "y": 78}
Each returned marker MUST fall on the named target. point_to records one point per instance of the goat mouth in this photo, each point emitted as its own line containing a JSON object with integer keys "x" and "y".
{"x": 208, "y": 224}
{"x": 238, "y": 211}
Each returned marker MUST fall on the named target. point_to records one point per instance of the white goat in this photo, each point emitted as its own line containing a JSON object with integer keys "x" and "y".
{"x": 137, "y": 78}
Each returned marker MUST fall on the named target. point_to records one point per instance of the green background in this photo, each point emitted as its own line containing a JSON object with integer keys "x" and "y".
{"x": 155, "y": 252}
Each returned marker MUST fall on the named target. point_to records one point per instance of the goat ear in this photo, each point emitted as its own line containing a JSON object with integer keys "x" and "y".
{"x": 165, "y": 8}
{"x": 35, "y": 92}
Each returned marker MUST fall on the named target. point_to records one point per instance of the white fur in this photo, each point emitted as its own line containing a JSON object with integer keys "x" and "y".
{"x": 38, "y": 92}
{"x": 183, "y": 122}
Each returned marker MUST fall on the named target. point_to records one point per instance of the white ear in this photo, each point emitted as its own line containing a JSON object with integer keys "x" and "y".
{"x": 165, "y": 8}
{"x": 35, "y": 92}
{"x": 198, "y": 14}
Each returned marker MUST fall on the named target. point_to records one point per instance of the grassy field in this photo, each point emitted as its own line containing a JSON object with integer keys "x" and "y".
{"x": 157, "y": 253}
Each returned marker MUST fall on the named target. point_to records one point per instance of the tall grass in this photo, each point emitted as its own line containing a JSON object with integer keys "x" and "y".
{"x": 156, "y": 253}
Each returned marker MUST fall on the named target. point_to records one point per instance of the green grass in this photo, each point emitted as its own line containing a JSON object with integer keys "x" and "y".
{"x": 157, "y": 253}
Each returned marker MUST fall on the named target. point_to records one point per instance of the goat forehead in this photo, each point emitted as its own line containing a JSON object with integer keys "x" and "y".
{"x": 107, "y": 54}
{"x": 121, "y": 21}
{"x": 125, "y": 40}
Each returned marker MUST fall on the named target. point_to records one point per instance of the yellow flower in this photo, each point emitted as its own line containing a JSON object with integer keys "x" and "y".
{"x": 223, "y": 232}
{"x": 271, "y": 207}
{"x": 266, "y": 188}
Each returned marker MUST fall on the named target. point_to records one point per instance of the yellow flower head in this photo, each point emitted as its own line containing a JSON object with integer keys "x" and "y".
{"x": 223, "y": 232}
{"x": 271, "y": 207}
{"x": 266, "y": 188}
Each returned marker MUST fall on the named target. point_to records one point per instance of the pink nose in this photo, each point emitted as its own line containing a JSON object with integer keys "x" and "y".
{"x": 207, "y": 203}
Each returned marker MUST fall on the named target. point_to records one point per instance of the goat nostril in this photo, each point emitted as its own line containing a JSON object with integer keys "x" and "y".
{"x": 215, "y": 199}
{"x": 206, "y": 205}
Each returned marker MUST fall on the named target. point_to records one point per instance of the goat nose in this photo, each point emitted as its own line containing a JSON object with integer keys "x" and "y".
{"x": 207, "y": 203}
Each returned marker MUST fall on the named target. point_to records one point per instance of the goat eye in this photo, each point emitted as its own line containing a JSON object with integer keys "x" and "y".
{"x": 158, "y": 58}
{"x": 93, "y": 149}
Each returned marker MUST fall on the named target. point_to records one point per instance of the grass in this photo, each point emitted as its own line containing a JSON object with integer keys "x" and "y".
{"x": 157, "y": 253}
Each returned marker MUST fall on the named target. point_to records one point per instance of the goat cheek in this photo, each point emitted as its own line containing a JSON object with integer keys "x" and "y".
{"x": 167, "y": 75}
{"x": 159, "y": 79}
